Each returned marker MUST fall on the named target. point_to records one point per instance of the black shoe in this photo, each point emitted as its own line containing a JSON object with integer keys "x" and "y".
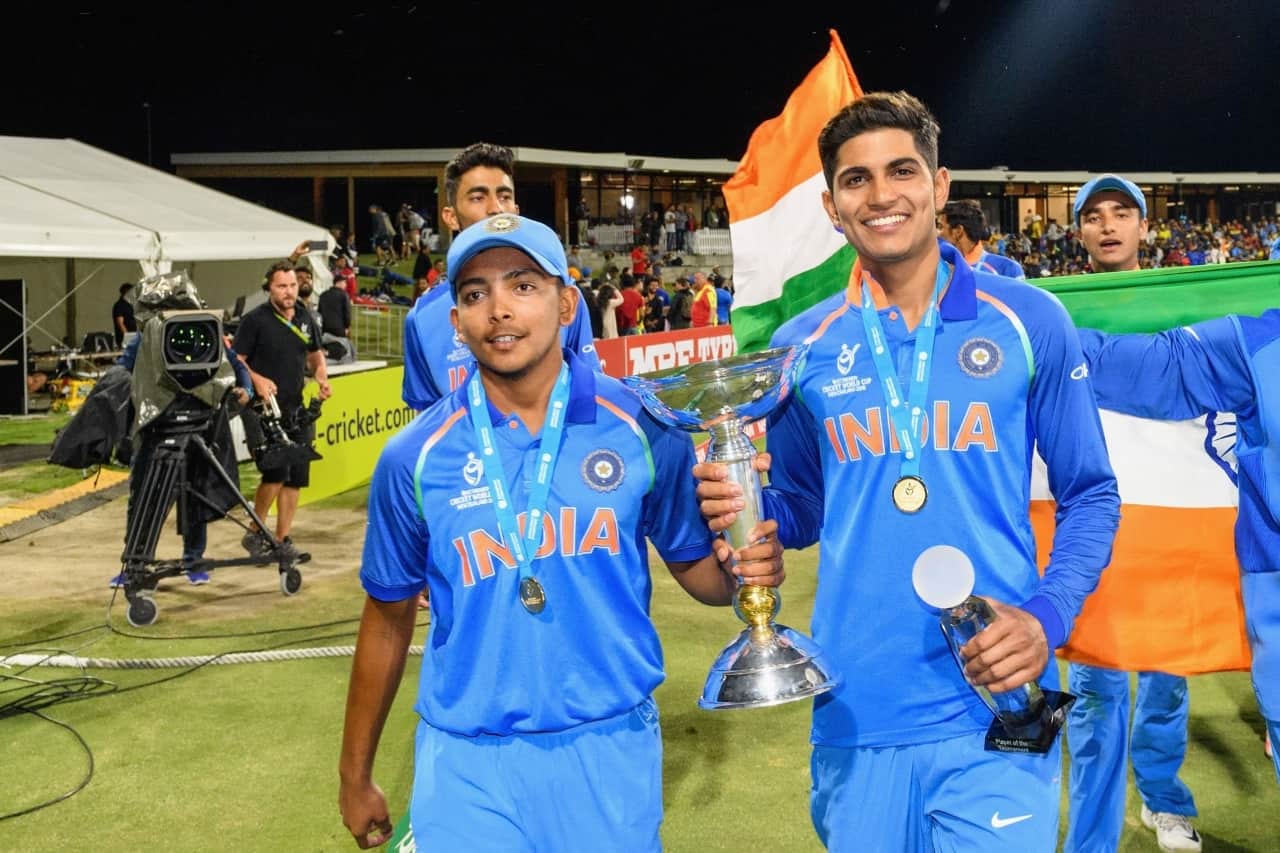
{"x": 287, "y": 548}
{"x": 256, "y": 544}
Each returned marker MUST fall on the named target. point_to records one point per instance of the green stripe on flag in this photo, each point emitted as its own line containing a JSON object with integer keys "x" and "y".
{"x": 1118, "y": 302}
{"x": 755, "y": 324}
{"x": 1155, "y": 300}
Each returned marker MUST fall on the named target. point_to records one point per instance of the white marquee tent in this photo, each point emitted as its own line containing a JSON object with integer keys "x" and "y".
{"x": 77, "y": 221}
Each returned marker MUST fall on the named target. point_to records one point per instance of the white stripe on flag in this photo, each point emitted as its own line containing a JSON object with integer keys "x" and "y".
{"x": 787, "y": 239}
{"x": 1157, "y": 463}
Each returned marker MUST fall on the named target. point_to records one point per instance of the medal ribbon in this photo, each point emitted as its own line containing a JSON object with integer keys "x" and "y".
{"x": 522, "y": 548}
{"x": 288, "y": 324}
{"x": 906, "y": 414}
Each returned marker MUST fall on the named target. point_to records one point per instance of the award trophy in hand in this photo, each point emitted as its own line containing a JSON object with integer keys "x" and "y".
{"x": 767, "y": 664}
{"x": 1028, "y": 718}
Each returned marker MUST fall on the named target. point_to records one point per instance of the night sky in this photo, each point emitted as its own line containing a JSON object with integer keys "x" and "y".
{"x": 1087, "y": 84}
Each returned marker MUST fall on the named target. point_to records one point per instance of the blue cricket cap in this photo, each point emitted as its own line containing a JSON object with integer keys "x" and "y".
{"x": 1106, "y": 182}
{"x": 507, "y": 229}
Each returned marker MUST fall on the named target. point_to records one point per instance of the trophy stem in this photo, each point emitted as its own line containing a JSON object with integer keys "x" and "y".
{"x": 729, "y": 446}
{"x": 767, "y": 663}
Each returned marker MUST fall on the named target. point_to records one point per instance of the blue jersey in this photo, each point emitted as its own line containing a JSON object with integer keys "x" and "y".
{"x": 1231, "y": 364}
{"x": 593, "y": 653}
{"x": 997, "y": 264}
{"x": 436, "y": 361}
{"x": 1007, "y": 374}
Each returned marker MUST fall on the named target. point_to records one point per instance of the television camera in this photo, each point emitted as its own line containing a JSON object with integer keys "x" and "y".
{"x": 182, "y": 386}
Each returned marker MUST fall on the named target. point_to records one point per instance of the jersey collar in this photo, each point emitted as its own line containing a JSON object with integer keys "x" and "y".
{"x": 960, "y": 301}
{"x": 582, "y": 393}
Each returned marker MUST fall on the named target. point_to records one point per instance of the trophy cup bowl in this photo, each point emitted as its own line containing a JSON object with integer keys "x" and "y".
{"x": 767, "y": 664}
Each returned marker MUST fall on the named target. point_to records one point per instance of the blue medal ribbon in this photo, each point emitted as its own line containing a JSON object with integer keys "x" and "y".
{"x": 906, "y": 413}
{"x": 522, "y": 547}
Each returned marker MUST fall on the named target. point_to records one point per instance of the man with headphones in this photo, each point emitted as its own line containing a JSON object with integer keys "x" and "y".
{"x": 281, "y": 345}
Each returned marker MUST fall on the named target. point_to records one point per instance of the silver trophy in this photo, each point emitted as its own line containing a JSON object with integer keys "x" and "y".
{"x": 1026, "y": 719}
{"x": 768, "y": 663}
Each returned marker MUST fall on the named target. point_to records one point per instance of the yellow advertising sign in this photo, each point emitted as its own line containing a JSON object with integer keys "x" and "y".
{"x": 355, "y": 423}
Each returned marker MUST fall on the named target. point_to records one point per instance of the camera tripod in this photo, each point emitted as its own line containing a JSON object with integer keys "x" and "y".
{"x": 164, "y": 482}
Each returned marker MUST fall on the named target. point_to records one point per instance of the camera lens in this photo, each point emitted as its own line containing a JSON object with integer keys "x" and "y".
{"x": 190, "y": 343}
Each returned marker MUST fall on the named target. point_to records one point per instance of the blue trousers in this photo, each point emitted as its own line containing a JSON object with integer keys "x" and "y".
{"x": 596, "y": 788}
{"x": 948, "y": 796}
{"x": 1261, "y": 594}
{"x": 1099, "y": 737}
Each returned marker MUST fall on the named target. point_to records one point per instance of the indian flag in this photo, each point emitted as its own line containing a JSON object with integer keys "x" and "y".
{"x": 786, "y": 256}
{"x": 1170, "y": 600}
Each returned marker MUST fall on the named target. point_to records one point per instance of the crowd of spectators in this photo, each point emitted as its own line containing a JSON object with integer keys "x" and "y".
{"x": 635, "y": 300}
{"x": 1054, "y": 249}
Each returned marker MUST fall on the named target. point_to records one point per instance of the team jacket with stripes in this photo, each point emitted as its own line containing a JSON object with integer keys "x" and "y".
{"x": 1007, "y": 374}
{"x": 489, "y": 666}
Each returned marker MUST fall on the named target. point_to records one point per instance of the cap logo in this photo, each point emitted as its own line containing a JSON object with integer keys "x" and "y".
{"x": 502, "y": 223}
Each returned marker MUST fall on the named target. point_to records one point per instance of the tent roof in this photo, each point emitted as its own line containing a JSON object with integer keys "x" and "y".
{"x": 62, "y": 198}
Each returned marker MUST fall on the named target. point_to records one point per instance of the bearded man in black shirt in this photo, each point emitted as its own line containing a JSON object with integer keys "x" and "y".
{"x": 279, "y": 342}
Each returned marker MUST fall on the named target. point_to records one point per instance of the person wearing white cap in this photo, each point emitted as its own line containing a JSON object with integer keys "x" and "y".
{"x": 539, "y": 730}
{"x": 1111, "y": 214}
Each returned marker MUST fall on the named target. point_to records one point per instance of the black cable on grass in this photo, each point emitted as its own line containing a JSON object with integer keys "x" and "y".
{"x": 46, "y": 694}
{"x": 11, "y": 643}
{"x": 88, "y": 775}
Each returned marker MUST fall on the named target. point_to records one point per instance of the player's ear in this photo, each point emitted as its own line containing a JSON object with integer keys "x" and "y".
{"x": 449, "y": 217}
{"x": 941, "y": 187}
{"x": 568, "y": 303}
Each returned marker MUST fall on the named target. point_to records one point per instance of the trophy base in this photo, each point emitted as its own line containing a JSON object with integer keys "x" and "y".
{"x": 762, "y": 668}
{"x": 1036, "y": 736}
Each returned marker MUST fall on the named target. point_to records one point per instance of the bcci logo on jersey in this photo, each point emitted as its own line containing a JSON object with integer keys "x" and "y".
{"x": 844, "y": 383}
{"x": 602, "y": 470}
{"x": 981, "y": 358}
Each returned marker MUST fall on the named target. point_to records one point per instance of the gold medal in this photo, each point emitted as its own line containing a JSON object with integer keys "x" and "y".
{"x": 532, "y": 595}
{"x": 909, "y": 494}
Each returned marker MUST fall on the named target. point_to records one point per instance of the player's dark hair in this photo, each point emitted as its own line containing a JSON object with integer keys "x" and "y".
{"x": 879, "y": 111}
{"x": 279, "y": 266}
{"x": 476, "y": 154}
{"x": 967, "y": 214}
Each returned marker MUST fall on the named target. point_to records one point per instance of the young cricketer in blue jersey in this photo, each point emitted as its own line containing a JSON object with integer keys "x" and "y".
{"x": 1231, "y": 364}
{"x": 522, "y": 501}
{"x": 964, "y": 224}
{"x": 1111, "y": 215}
{"x": 898, "y": 760}
{"x": 477, "y": 183}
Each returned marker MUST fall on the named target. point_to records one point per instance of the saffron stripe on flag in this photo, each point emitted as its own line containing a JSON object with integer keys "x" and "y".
{"x": 1170, "y": 599}
{"x": 783, "y": 244}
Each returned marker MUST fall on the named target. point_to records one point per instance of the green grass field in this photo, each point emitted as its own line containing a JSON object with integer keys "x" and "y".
{"x": 244, "y": 757}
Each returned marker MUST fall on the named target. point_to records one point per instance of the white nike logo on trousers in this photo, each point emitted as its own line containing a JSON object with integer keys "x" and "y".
{"x": 998, "y": 822}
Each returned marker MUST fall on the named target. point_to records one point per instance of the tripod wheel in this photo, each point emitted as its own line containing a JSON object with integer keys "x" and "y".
{"x": 142, "y": 612}
{"x": 290, "y": 581}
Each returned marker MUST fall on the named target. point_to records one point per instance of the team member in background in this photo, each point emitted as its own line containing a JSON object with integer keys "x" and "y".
{"x": 280, "y": 343}
{"x": 898, "y": 759}
{"x": 963, "y": 224}
{"x": 538, "y": 730}
{"x": 1229, "y": 364}
{"x": 477, "y": 183}
{"x": 1111, "y": 215}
